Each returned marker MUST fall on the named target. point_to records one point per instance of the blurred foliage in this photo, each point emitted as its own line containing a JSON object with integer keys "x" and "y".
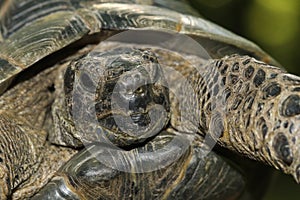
{"x": 275, "y": 26}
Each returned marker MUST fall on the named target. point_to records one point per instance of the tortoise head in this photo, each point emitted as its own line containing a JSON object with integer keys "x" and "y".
{"x": 123, "y": 89}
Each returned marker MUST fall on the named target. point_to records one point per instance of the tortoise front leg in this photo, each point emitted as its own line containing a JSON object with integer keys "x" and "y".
{"x": 169, "y": 167}
{"x": 254, "y": 110}
{"x": 20, "y": 150}
{"x": 27, "y": 162}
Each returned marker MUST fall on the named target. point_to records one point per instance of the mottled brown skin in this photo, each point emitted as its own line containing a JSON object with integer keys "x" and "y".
{"x": 74, "y": 175}
{"x": 255, "y": 109}
{"x": 208, "y": 119}
{"x": 92, "y": 81}
{"x": 268, "y": 118}
{"x": 27, "y": 160}
{"x": 239, "y": 102}
{"x": 246, "y": 105}
{"x": 205, "y": 119}
{"x": 173, "y": 181}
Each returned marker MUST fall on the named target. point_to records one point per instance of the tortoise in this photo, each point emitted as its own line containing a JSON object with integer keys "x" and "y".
{"x": 95, "y": 106}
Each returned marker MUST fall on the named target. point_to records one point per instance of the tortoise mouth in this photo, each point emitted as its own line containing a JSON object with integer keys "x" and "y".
{"x": 142, "y": 119}
{"x": 128, "y": 128}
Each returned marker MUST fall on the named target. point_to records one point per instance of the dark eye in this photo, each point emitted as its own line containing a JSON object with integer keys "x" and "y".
{"x": 140, "y": 90}
{"x": 146, "y": 57}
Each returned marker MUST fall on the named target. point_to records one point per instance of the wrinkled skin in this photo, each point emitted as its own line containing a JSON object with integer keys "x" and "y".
{"x": 49, "y": 133}
{"x": 87, "y": 169}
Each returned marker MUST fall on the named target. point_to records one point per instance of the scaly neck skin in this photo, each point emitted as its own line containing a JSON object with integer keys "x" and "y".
{"x": 31, "y": 99}
{"x": 190, "y": 96}
{"x": 22, "y": 114}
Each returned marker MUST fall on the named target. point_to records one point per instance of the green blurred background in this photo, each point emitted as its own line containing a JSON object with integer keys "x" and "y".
{"x": 272, "y": 24}
{"x": 275, "y": 26}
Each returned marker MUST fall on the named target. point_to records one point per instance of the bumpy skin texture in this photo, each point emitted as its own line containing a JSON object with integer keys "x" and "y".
{"x": 88, "y": 174}
{"x": 249, "y": 107}
{"x": 243, "y": 104}
{"x": 261, "y": 111}
{"x": 128, "y": 88}
{"x": 216, "y": 89}
{"x": 27, "y": 162}
{"x": 261, "y": 126}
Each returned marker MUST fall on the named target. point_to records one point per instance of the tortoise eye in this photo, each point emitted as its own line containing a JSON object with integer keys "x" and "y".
{"x": 149, "y": 56}
{"x": 140, "y": 90}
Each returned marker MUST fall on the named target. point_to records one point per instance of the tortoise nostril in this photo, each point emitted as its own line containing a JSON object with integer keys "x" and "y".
{"x": 51, "y": 88}
{"x": 142, "y": 119}
{"x": 137, "y": 77}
